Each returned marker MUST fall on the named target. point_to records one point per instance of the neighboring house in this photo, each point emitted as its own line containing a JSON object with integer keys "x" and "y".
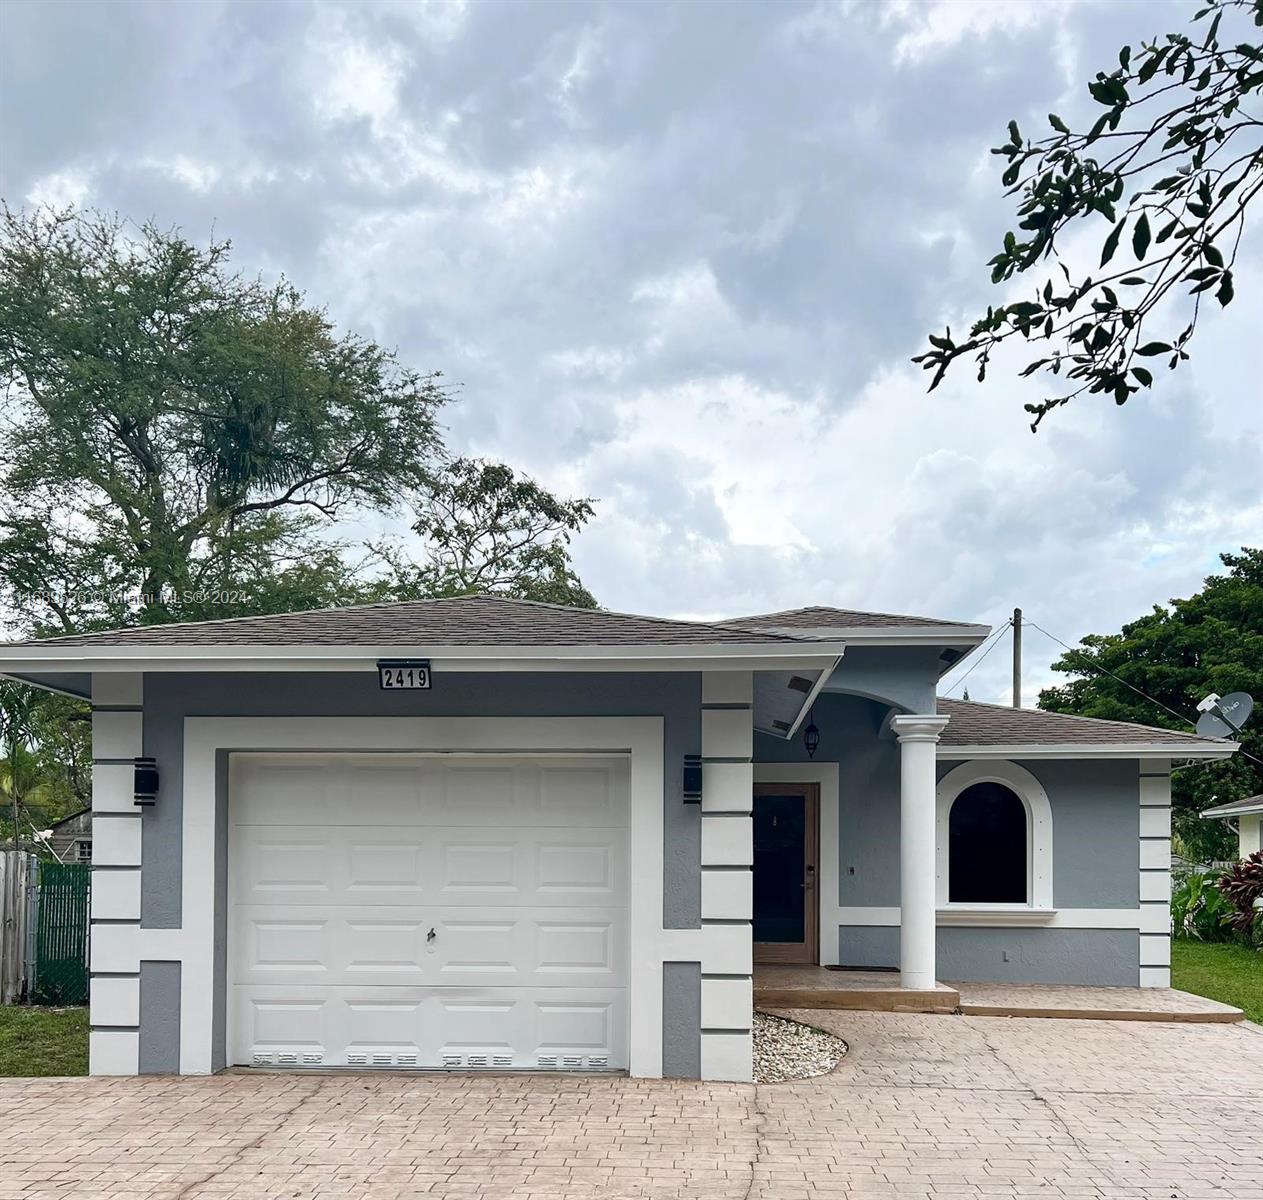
{"x": 70, "y": 839}
{"x": 547, "y": 858}
{"x": 1248, "y": 814}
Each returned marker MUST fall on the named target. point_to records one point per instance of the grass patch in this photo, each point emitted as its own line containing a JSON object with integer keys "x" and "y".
{"x": 43, "y": 1041}
{"x": 1220, "y": 971}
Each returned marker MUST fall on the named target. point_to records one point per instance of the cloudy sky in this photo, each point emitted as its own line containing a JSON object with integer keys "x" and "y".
{"x": 678, "y": 257}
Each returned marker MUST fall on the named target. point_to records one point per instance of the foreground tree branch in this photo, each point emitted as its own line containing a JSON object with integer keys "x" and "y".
{"x": 1172, "y": 166}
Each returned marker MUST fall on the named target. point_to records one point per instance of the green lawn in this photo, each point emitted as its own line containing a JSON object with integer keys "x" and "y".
{"x": 1227, "y": 973}
{"x": 43, "y": 1041}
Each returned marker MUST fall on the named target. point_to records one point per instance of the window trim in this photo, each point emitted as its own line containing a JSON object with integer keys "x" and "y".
{"x": 1039, "y": 833}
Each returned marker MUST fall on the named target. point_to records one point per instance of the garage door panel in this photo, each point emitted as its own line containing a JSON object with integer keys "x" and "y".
{"x": 289, "y": 945}
{"x": 461, "y": 1029}
{"x": 389, "y": 946}
{"x": 440, "y": 865}
{"x": 542, "y": 946}
{"x": 283, "y": 866}
{"x": 383, "y": 789}
{"x": 388, "y": 910}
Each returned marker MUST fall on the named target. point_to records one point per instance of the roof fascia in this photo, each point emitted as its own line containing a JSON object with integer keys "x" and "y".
{"x": 1223, "y": 814}
{"x": 1084, "y": 750}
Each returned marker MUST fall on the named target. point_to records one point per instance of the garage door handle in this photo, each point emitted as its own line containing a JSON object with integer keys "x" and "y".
{"x": 429, "y": 937}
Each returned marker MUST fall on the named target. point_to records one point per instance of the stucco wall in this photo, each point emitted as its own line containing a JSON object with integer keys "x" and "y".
{"x": 1095, "y": 817}
{"x": 170, "y": 698}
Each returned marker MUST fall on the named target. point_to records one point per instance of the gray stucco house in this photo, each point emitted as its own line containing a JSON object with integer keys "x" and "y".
{"x": 485, "y": 833}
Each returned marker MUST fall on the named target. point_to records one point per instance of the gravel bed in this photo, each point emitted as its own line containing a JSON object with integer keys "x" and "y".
{"x": 787, "y": 1050}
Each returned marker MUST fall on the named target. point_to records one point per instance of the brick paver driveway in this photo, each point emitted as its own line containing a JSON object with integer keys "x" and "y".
{"x": 925, "y": 1106}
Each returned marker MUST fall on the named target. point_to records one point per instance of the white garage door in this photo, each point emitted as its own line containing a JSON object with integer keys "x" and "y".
{"x": 431, "y": 911}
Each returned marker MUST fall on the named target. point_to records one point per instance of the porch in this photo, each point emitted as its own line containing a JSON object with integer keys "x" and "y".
{"x": 833, "y": 988}
{"x": 816, "y": 987}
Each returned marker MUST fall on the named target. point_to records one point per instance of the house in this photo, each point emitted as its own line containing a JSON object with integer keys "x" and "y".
{"x": 485, "y": 833}
{"x": 1248, "y": 814}
{"x": 70, "y": 839}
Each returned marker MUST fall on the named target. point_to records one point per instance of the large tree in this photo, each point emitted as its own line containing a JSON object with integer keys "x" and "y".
{"x": 486, "y": 528}
{"x": 172, "y": 429}
{"x": 1209, "y": 642}
{"x": 178, "y": 442}
{"x": 1164, "y": 177}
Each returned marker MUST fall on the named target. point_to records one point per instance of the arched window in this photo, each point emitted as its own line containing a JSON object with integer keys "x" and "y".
{"x": 987, "y": 847}
{"x": 994, "y": 842}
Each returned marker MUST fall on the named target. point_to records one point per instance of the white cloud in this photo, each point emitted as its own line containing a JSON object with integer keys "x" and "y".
{"x": 70, "y": 186}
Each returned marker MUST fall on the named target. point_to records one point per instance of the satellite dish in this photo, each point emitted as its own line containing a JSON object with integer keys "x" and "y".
{"x": 1235, "y": 708}
{"x": 1212, "y": 725}
{"x": 1226, "y": 716}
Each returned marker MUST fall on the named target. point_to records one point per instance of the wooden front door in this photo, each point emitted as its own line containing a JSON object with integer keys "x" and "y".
{"x": 786, "y": 866}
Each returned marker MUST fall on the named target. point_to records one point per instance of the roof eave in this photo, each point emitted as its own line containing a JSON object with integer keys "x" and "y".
{"x": 16, "y": 660}
{"x": 1149, "y": 750}
{"x": 1222, "y": 814}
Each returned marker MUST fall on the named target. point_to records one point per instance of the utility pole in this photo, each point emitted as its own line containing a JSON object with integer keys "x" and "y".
{"x": 1017, "y": 658}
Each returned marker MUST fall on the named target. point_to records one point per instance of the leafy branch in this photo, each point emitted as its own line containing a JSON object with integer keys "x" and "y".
{"x": 1173, "y": 164}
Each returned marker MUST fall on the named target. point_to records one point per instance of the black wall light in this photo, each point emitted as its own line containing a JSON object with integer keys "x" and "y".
{"x": 692, "y": 779}
{"x": 145, "y": 781}
{"x": 811, "y": 735}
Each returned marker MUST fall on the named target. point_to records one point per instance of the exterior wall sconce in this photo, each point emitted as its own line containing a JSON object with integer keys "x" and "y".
{"x": 692, "y": 779}
{"x": 144, "y": 781}
{"x": 811, "y": 735}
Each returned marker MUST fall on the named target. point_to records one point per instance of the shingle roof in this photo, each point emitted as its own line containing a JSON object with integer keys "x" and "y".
{"x": 974, "y": 724}
{"x": 818, "y": 617}
{"x": 462, "y": 620}
{"x": 1251, "y": 804}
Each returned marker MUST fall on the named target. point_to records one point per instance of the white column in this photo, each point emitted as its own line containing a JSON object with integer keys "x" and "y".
{"x": 918, "y": 736}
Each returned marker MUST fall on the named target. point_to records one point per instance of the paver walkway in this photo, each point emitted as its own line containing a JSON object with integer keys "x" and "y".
{"x": 923, "y": 1107}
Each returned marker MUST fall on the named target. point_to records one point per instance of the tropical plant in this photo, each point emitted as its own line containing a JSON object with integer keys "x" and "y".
{"x": 1199, "y": 909}
{"x": 1241, "y": 886}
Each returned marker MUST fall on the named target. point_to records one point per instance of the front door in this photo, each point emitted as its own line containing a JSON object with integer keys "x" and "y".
{"x": 785, "y": 868}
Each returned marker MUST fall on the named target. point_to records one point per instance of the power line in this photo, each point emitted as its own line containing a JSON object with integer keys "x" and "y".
{"x": 994, "y": 641}
{"x": 1143, "y": 695}
{"x": 1097, "y": 667}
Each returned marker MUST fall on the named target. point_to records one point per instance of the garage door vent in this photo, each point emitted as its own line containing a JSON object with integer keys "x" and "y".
{"x": 502, "y": 1060}
{"x": 452, "y": 1060}
{"x": 598, "y": 1061}
{"x": 547, "y": 1061}
{"x": 356, "y": 1059}
{"x": 312, "y": 1058}
{"x": 261, "y": 1060}
{"x": 406, "y": 1060}
{"x": 287, "y": 1058}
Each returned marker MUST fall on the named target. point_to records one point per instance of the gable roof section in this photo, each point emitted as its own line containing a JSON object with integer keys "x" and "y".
{"x": 460, "y": 620}
{"x": 981, "y": 727}
{"x": 1238, "y": 808}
